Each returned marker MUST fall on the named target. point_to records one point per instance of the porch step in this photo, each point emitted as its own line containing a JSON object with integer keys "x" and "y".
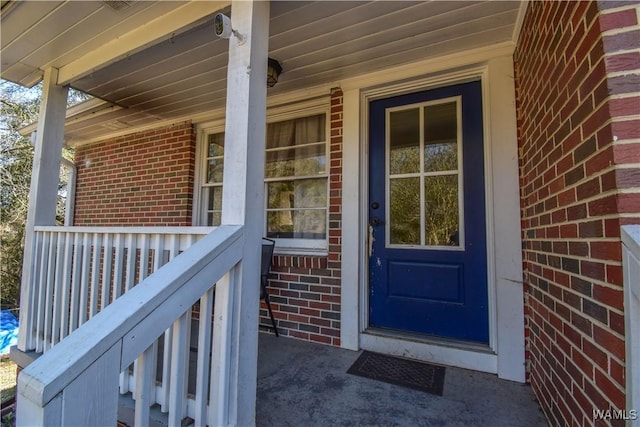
{"x": 126, "y": 412}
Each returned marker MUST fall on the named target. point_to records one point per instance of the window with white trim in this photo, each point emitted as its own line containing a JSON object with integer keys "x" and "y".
{"x": 296, "y": 181}
{"x": 212, "y": 185}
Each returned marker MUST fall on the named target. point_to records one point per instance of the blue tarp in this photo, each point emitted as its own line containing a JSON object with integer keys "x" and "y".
{"x": 8, "y": 331}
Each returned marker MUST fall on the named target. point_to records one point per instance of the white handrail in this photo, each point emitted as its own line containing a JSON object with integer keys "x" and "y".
{"x": 125, "y": 229}
{"x": 88, "y": 362}
{"x": 631, "y": 268}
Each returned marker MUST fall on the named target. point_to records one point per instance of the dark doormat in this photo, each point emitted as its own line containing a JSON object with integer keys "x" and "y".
{"x": 394, "y": 370}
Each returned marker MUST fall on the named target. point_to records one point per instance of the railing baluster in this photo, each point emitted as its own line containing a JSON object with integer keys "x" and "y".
{"x": 158, "y": 251}
{"x": 118, "y": 284}
{"x": 165, "y": 387}
{"x": 143, "y": 265}
{"x": 179, "y": 369}
{"x": 118, "y": 272}
{"x": 124, "y": 381}
{"x": 30, "y": 308}
{"x": 174, "y": 247}
{"x": 107, "y": 261}
{"x": 133, "y": 242}
{"x": 173, "y": 250}
{"x": 50, "y": 281}
{"x": 84, "y": 281}
{"x": 58, "y": 298}
{"x": 131, "y": 262}
{"x": 41, "y": 283}
{"x": 95, "y": 273}
{"x": 204, "y": 357}
{"x": 66, "y": 286}
{"x": 75, "y": 281}
{"x": 145, "y": 385}
{"x": 191, "y": 239}
{"x": 158, "y": 261}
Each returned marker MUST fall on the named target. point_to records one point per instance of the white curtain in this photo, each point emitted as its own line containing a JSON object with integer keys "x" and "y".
{"x": 310, "y": 129}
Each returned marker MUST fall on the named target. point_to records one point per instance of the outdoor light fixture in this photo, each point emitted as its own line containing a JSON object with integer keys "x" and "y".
{"x": 223, "y": 29}
{"x": 273, "y": 72}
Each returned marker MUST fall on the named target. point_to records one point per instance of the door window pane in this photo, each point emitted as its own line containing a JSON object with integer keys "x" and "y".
{"x": 422, "y": 175}
{"x": 404, "y": 141}
{"x": 441, "y": 210}
{"x": 441, "y": 137}
{"x": 405, "y": 211}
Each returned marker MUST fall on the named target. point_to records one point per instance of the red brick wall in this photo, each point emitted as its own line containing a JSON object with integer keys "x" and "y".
{"x": 147, "y": 179}
{"x": 573, "y": 104}
{"x": 621, "y": 39}
{"x": 305, "y": 290}
{"x": 144, "y": 178}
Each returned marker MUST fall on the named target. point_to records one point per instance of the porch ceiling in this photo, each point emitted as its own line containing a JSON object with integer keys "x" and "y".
{"x": 180, "y": 72}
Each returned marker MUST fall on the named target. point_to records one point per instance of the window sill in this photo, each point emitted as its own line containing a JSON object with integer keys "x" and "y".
{"x": 300, "y": 251}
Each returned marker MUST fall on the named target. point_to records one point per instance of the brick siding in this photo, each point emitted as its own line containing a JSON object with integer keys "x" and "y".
{"x": 305, "y": 290}
{"x": 142, "y": 179}
{"x": 576, "y": 68}
{"x": 146, "y": 178}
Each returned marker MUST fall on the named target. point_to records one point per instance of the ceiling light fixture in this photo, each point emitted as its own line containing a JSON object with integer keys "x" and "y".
{"x": 273, "y": 72}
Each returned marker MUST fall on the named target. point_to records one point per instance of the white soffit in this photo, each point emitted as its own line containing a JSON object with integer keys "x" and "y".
{"x": 320, "y": 43}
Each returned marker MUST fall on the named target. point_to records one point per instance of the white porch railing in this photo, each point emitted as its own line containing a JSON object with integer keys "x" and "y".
{"x": 85, "y": 367}
{"x": 78, "y": 271}
{"x": 631, "y": 265}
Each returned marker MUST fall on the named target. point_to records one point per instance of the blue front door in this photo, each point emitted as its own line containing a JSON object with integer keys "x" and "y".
{"x": 427, "y": 257}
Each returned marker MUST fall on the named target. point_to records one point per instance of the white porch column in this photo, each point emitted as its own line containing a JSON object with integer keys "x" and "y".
{"x": 237, "y": 296}
{"x": 44, "y": 187}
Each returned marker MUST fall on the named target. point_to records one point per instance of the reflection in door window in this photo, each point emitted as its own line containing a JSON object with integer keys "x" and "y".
{"x": 424, "y": 182}
{"x": 440, "y": 137}
{"x": 404, "y": 141}
{"x": 441, "y": 210}
{"x": 404, "y": 197}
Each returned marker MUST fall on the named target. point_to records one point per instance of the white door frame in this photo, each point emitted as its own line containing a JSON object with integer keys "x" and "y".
{"x": 505, "y": 353}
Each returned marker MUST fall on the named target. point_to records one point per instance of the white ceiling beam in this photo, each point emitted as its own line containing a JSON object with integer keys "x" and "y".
{"x": 144, "y": 35}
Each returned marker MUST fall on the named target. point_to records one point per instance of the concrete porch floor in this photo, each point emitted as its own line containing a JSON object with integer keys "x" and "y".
{"x": 306, "y": 384}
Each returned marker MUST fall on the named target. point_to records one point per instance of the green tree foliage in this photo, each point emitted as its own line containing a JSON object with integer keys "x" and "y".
{"x": 18, "y": 107}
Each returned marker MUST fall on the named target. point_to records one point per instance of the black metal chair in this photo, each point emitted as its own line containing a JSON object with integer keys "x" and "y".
{"x": 267, "y": 255}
